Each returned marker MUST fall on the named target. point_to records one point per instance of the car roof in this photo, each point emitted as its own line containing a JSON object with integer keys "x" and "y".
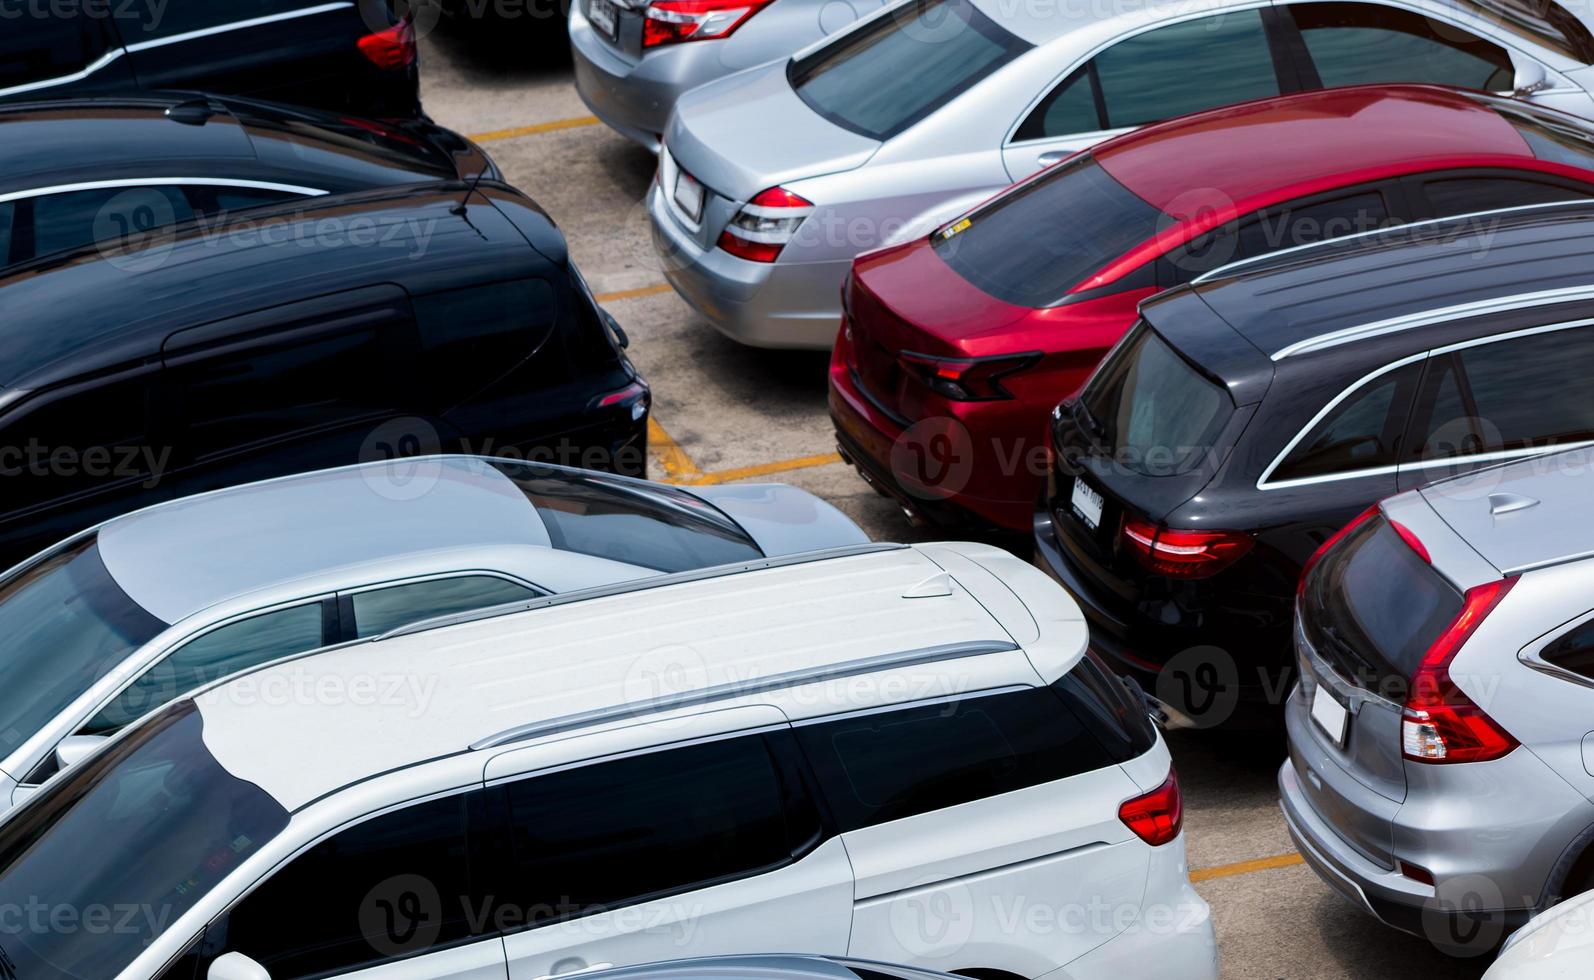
{"x": 1524, "y": 514}
{"x": 582, "y": 661}
{"x": 1040, "y": 23}
{"x": 177, "y": 558}
{"x": 1312, "y": 141}
{"x": 763, "y": 966}
{"x": 94, "y": 309}
{"x": 1402, "y": 279}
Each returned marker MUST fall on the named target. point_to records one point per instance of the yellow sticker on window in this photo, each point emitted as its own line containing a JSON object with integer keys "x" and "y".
{"x": 961, "y": 226}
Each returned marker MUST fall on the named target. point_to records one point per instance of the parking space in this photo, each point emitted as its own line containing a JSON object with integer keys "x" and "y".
{"x": 726, "y": 413}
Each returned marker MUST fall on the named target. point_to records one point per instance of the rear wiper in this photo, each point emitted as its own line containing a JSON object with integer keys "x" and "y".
{"x": 1082, "y": 411}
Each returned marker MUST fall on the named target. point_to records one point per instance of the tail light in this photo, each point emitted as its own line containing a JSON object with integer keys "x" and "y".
{"x": 966, "y": 379}
{"x": 1327, "y": 546}
{"x": 1157, "y": 817}
{"x": 636, "y": 394}
{"x": 1440, "y": 723}
{"x": 1185, "y": 554}
{"x": 392, "y": 49}
{"x": 675, "y": 21}
{"x": 765, "y": 225}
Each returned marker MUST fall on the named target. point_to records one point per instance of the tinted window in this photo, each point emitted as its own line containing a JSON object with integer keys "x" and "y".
{"x": 75, "y": 441}
{"x": 1541, "y": 21}
{"x": 648, "y": 526}
{"x": 1184, "y": 68}
{"x": 1068, "y": 109}
{"x": 616, "y": 833}
{"x": 1279, "y": 228}
{"x": 1157, "y": 415}
{"x": 393, "y": 886}
{"x": 1362, "y": 432}
{"x": 1372, "y": 607}
{"x": 1524, "y": 389}
{"x": 380, "y": 610}
{"x": 1366, "y": 43}
{"x": 215, "y": 655}
{"x": 1465, "y": 195}
{"x": 1452, "y": 426}
{"x": 67, "y": 221}
{"x": 1072, "y": 222}
{"x": 212, "y": 200}
{"x": 8, "y": 216}
{"x": 887, "y": 75}
{"x": 1112, "y": 707}
{"x": 152, "y": 824}
{"x": 1551, "y": 136}
{"x": 66, "y": 623}
{"x": 1573, "y": 651}
{"x": 471, "y": 337}
{"x": 182, "y": 16}
{"x": 39, "y": 44}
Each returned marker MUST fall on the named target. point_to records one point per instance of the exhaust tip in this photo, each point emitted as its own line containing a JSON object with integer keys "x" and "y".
{"x": 846, "y": 457}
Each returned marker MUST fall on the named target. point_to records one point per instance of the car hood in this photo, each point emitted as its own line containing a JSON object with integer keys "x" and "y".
{"x": 783, "y": 520}
{"x": 750, "y": 131}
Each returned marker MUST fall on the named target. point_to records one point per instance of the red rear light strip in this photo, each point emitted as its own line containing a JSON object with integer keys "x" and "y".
{"x": 1441, "y": 724}
{"x": 1158, "y": 816}
{"x": 1185, "y": 554}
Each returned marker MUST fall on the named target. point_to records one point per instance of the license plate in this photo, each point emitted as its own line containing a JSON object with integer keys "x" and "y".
{"x": 605, "y": 17}
{"x": 1087, "y": 504}
{"x": 1331, "y": 716}
{"x": 689, "y": 196}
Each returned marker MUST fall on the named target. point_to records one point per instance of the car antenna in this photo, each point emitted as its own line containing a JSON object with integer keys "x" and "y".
{"x": 464, "y": 202}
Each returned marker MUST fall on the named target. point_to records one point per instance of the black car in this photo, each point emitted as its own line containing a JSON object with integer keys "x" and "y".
{"x": 76, "y": 171}
{"x": 350, "y": 56}
{"x": 297, "y": 337}
{"x": 1246, "y": 418}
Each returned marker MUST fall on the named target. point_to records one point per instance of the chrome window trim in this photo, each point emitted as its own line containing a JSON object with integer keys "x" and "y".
{"x": 96, "y": 185}
{"x": 76, "y": 76}
{"x": 652, "y": 748}
{"x": 1532, "y": 654}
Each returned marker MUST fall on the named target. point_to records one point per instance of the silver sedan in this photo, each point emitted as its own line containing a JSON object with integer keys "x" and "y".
{"x": 774, "y": 179}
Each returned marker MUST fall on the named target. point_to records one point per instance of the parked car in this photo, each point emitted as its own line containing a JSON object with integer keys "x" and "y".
{"x": 722, "y": 761}
{"x": 78, "y": 170}
{"x": 776, "y": 178}
{"x": 1245, "y": 419}
{"x": 349, "y": 56}
{"x": 297, "y": 337}
{"x": 1437, "y": 738}
{"x": 170, "y": 598}
{"x": 993, "y": 319}
{"x": 1553, "y": 945}
{"x": 784, "y": 966}
{"x": 634, "y": 60}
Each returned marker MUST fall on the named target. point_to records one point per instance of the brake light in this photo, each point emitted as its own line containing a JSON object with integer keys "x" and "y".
{"x": 1440, "y": 723}
{"x": 1185, "y": 554}
{"x": 1327, "y": 546}
{"x": 765, "y": 225}
{"x": 676, "y": 21}
{"x": 966, "y": 379}
{"x": 391, "y": 49}
{"x": 1156, "y": 817}
{"x": 636, "y": 394}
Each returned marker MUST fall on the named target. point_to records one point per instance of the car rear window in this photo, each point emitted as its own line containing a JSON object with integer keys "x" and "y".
{"x": 1072, "y": 221}
{"x": 1155, "y": 413}
{"x": 892, "y": 72}
{"x": 1372, "y": 608}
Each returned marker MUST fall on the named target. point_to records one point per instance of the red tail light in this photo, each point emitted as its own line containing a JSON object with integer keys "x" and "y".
{"x": 1185, "y": 554}
{"x": 392, "y": 49}
{"x": 675, "y": 21}
{"x": 1156, "y": 817}
{"x": 966, "y": 379}
{"x": 1327, "y": 546}
{"x": 1441, "y": 724}
{"x": 765, "y": 225}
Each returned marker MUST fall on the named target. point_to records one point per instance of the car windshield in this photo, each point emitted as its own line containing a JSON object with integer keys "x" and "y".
{"x": 890, "y": 73}
{"x": 1156, "y": 414}
{"x": 652, "y": 527}
{"x": 66, "y": 623}
{"x": 111, "y": 854}
{"x": 1072, "y": 221}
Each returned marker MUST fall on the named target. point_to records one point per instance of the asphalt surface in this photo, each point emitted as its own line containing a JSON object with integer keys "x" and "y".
{"x": 727, "y": 412}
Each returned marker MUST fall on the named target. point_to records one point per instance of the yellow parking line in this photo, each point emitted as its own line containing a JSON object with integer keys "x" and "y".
{"x": 766, "y": 469}
{"x": 678, "y": 466}
{"x": 1246, "y": 867}
{"x": 547, "y": 127}
{"x": 653, "y": 290}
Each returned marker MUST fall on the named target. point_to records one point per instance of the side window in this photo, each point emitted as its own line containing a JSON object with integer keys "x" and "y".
{"x": 68, "y": 221}
{"x": 394, "y": 886}
{"x": 1465, "y": 195}
{"x": 1573, "y": 651}
{"x": 1520, "y": 390}
{"x": 888, "y": 765}
{"x": 471, "y": 337}
{"x": 1285, "y": 226}
{"x": 8, "y": 217}
{"x": 1452, "y": 422}
{"x": 612, "y": 834}
{"x": 1068, "y": 109}
{"x": 45, "y": 46}
{"x": 1368, "y": 43}
{"x": 380, "y": 610}
{"x": 1188, "y": 67}
{"x": 217, "y": 654}
{"x": 213, "y": 200}
{"x": 1362, "y": 432}
{"x": 92, "y": 437}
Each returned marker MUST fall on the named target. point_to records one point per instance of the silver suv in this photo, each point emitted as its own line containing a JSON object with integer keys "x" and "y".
{"x": 1441, "y": 760}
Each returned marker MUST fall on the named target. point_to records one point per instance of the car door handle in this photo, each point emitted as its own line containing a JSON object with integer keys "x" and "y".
{"x": 594, "y": 968}
{"x": 1054, "y": 156}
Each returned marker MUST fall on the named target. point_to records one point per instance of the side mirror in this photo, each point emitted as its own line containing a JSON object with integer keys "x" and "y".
{"x": 1530, "y": 78}
{"x": 236, "y": 966}
{"x": 75, "y": 748}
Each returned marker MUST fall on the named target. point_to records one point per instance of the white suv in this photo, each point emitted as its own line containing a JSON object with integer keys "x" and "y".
{"x": 897, "y": 753}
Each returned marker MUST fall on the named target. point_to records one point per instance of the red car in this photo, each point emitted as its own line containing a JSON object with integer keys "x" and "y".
{"x": 954, "y": 348}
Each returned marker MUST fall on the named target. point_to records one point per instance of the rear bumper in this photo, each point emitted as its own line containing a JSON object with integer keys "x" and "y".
{"x": 776, "y": 305}
{"x": 635, "y": 99}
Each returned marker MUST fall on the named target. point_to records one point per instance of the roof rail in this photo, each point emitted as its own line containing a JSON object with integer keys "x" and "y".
{"x": 637, "y": 585}
{"x": 1239, "y": 264}
{"x": 1411, "y": 321}
{"x": 737, "y": 689}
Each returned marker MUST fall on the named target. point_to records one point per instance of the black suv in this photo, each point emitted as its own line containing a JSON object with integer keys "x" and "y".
{"x": 351, "y": 55}
{"x": 1248, "y": 417}
{"x": 297, "y": 337}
